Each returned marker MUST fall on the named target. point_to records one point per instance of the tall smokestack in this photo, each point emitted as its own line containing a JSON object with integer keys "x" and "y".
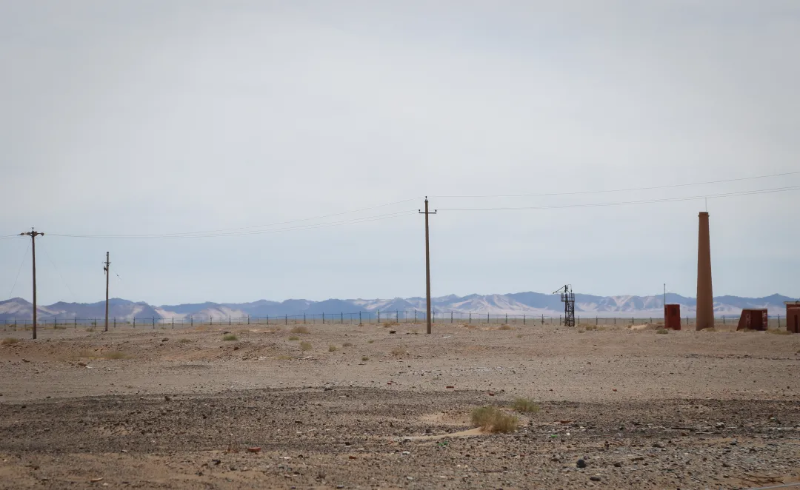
{"x": 705, "y": 294}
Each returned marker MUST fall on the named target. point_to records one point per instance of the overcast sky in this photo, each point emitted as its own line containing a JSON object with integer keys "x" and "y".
{"x": 154, "y": 117}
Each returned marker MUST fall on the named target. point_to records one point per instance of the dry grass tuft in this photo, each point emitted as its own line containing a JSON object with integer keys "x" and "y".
{"x": 525, "y": 405}
{"x": 662, "y": 331}
{"x": 115, "y": 355}
{"x": 230, "y": 337}
{"x": 370, "y": 341}
{"x": 304, "y": 346}
{"x": 10, "y": 341}
{"x": 778, "y": 332}
{"x": 399, "y": 351}
{"x": 492, "y": 419}
{"x": 332, "y": 348}
{"x": 294, "y": 337}
{"x": 364, "y": 358}
{"x": 300, "y": 330}
{"x": 347, "y": 344}
{"x": 505, "y": 327}
{"x": 184, "y": 341}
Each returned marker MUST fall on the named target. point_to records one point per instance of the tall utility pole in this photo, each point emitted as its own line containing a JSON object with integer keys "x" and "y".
{"x": 427, "y": 264}
{"x": 33, "y": 234}
{"x": 106, "y": 268}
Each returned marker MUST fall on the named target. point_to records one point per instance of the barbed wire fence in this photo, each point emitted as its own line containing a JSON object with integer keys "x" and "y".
{"x": 396, "y": 317}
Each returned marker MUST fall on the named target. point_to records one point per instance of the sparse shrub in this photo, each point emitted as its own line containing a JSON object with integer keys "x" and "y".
{"x": 184, "y": 341}
{"x": 304, "y": 346}
{"x": 10, "y": 341}
{"x": 505, "y": 327}
{"x": 590, "y": 327}
{"x": 300, "y": 330}
{"x": 294, "y": 337}
{"x": 364, "y": 358}
{"x": 662, "y": 331}
{"x": 525, "y": 405}
{"x": 370, "y": 341}
{"x": 399, "y": 351}
{"x": 493, "y": 419}
{"x": 332, "y": 348}
{"x": 115, "y": 355}
{"x": 230, "y": 337}
{"x": 581, "y": 331}
{"x": 778, "y": 332}
{"x": 347, "y": 344}
{"x": 90, "y": 329}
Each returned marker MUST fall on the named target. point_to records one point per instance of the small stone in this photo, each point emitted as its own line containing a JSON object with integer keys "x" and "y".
{"x": 581, "y": 464}
{"x": 594, "y": 478}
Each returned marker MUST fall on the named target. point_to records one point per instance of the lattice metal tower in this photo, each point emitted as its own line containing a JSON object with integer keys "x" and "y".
{"x": 568, "y": 298}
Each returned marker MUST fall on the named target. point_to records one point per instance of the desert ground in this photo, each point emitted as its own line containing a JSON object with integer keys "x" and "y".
{"x": 387, "y": 406}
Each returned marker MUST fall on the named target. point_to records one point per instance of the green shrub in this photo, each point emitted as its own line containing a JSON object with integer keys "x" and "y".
{"x": 332, "y": 348}
{"x": 300, "y": 330}
{"x": 304, "y": 346}
{"x": 230, "y": 337}
{"x": 662, "y": 331}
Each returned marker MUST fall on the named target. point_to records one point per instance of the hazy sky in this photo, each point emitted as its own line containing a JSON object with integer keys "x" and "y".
{"x": 154, "y": 117}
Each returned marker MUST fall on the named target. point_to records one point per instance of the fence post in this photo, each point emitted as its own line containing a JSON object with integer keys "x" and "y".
{"x": 523, "y": 319}
{"x": 115, "y": 322}
{"x": 506, "y": 317}
{"x": 379, "y": 316}
{"x": 248, "y": 319}
{"x": 173, "y": 323}
{"x": 596, "y": 320}
{"x": 304, "y": 318}
{"x": 359, "y": 319}
{"x": 154, "y": 323}
{"x": 415, "y": 316}
{"x": 323, "y": 318}
{"x": 134, "y": 322}
{"x": 210, "y": 320}
{"x": 286, "y": 320}
{"x": 488, "y": 320}
{"x": 542, "y": 319}
{"x": 723, "y": 319}
{"x": 559, "y": 320}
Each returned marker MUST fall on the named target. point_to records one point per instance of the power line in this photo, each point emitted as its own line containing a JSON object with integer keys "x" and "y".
{"x": 47, "y": 255}
{"x": 24, "y": 256}
{"x": 630, "y": 189}
{"x": 247, "y": 233}
{"x": 623, "y": 203}
{"x": 236, "y": 231}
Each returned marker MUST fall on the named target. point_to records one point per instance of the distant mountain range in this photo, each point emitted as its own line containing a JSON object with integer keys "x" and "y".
{"x": 532, "y": 304}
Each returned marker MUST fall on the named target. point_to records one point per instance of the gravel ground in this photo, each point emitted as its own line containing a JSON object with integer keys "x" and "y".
{"x": 366, "y": 408}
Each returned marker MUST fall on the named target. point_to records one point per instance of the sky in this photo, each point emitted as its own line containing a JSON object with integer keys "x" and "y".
{"x": 150, "y": 118}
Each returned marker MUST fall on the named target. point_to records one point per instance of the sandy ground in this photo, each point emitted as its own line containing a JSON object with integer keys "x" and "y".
{"x": 363, "y": 407}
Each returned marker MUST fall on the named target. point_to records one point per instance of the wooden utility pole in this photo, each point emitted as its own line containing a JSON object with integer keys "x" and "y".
{"x": 427, "y": 265}
{"x": 33, "y": 234}
{"x": 106, "y": 268}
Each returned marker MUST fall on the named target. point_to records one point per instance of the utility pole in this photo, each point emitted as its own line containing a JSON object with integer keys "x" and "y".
{"x": 427, "y": 264}
{"x": 33, "y": 234}
{"x": 106, "y": 267}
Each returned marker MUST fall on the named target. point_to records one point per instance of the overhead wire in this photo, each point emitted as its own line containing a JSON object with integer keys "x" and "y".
{"x": 235, "y": 231}
{"x": 24, "y": 256}
{"x": 247, "y": 233}
{"x": 622, "y": 203}
{"x": 64, "y": 281}
{"x": 629, "y": 189}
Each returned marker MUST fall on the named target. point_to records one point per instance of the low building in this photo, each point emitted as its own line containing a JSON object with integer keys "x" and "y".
{"x": 793, "y": 316}
{"x": 753, "y": 319}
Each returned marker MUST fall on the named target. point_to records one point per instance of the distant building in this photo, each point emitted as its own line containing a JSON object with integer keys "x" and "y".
{"x": 793, "y": 316}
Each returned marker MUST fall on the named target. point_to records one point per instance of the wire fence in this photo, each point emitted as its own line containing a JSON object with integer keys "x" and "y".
{"x": 357, "y": 318}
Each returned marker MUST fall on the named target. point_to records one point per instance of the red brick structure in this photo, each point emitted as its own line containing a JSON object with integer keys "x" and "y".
{"x": 672, "y": 317}
{"x": 753, "y": 320}
{"x": 793, "y": 316}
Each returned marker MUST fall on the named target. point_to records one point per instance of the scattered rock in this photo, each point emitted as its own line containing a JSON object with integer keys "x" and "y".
{"x": 581, "y": 464}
